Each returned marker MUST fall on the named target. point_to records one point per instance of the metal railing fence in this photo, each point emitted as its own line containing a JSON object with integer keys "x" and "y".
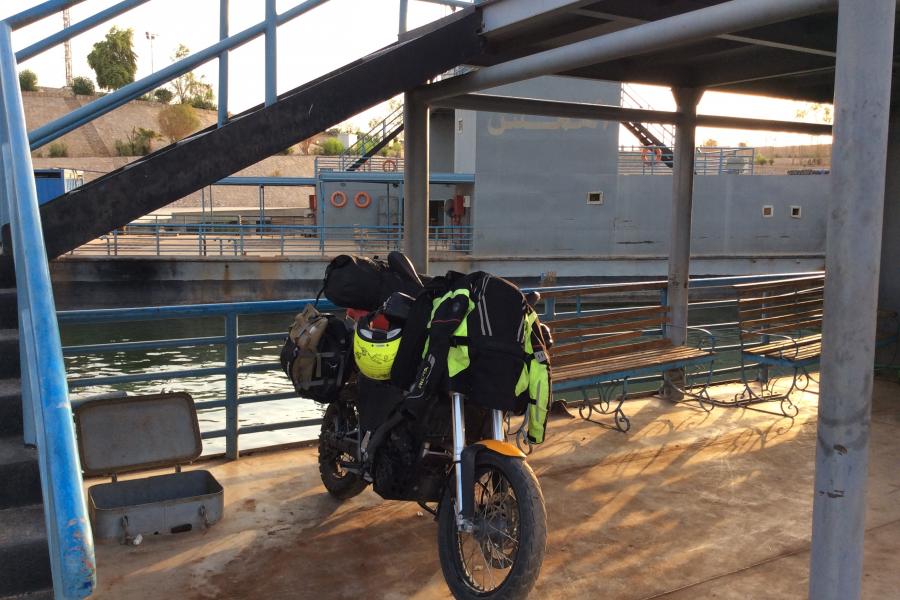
{"x": 374, "y": 164}
{"x": 712, "y": 293}
{"x": 162, "y": 238}
{"x": 46, "y": 412}
{"x": 650, "y": 160}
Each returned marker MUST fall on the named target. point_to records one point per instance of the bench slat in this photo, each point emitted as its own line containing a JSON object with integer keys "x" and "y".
{"x": 623, "y": 349}
{"x": 796, "y": 316}
{"x": 780, "y": 309}
{"x": 778, "y": 299}
{"x": 781, "y": 283}
{"x": 614, "y": 328}
{"x": 798, "y": 326}
{"x": 606, "y": 289}
{"x": 614, "y": 315}
{"x": 625, "y": 363}
{"x": 561, "y": 349}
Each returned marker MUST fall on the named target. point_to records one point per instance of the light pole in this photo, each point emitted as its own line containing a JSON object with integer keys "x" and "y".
{"x": 151, "y": 36}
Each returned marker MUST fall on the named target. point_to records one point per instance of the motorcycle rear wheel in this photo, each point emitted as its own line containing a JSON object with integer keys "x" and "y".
{"x": 502, "y": 558}
{"x": 340, "y": 483}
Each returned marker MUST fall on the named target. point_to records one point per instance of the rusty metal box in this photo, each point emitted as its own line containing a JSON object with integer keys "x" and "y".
{"x": 145, "y": 432}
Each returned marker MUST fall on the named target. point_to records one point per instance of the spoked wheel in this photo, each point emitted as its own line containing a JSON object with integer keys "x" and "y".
{"x": 339, "y": 419}
{"x": 502, "y": 556}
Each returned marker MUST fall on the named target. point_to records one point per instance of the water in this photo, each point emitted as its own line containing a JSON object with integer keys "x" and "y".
{"x": 213, "y": 387}
{"x": 201, "y": 388}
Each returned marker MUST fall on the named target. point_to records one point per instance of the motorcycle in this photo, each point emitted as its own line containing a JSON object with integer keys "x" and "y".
{"x": 453, "y": 460}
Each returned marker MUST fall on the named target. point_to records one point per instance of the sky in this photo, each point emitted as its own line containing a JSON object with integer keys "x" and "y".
{"x": 320, "y": 41}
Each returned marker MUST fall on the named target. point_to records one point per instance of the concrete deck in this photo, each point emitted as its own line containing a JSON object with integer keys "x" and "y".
{"x": 685, "y": 506}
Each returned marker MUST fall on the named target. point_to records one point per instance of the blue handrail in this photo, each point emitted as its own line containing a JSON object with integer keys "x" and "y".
{"x": 48, "y": 416}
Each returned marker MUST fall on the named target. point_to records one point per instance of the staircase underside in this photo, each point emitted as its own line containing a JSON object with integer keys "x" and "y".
{"x": 158, "y": 179}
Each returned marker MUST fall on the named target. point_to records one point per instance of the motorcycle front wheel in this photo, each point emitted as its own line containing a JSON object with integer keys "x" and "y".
{"x": 501, "y": 558}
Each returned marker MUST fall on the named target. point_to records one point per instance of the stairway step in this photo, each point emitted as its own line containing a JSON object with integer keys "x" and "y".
{"x": 9, "y": 318}
{"x": 9, "y": 353}
{"x": 10, "y": 407}
{"x": 24, "y": 555}
{"x": 20, "y": 477}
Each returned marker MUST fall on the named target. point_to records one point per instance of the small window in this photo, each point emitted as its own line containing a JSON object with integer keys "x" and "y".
{"x": 595, "y": 198}
{"x": 796, "y": 212}
{"x": 768, "y": 210}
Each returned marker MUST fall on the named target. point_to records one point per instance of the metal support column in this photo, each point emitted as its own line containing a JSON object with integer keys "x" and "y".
{"x": 223, "y": 64}
{"x": 415, "y": 177}
{"x": 404, "y": 7}
{"x": 271, "y": 54}
{"x": 682, "y": 199}
{"x": 862, "y": 89}
{"x": 232, "y": 426}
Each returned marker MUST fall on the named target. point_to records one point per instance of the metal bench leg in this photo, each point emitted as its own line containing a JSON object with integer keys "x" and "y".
{"x": 621, "y": 421}
{"x": 686, "y": 389}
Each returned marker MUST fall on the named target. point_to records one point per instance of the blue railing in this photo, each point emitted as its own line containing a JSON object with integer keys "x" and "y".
{"x": 231, "y": 363}
{"x": 46, "y": 412}
{"x": 278, "y": 236}
{"x": 651, "y": 160}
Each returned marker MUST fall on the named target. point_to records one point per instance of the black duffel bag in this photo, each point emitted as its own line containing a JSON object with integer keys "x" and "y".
{"x": 364, "y": 283}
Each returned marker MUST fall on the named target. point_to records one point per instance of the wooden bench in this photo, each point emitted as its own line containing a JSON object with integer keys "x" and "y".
{"x": 607, "y": 348}
{"x": 780, "y": 327}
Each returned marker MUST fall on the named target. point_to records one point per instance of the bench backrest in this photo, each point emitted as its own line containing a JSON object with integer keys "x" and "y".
{"x": 608, "y": 333}
{"x": 787, "y": 307}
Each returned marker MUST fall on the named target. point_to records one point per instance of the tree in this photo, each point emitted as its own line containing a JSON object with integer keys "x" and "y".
{"x": 83, "y": 86}
{"x": 114, "y": 60}
{"x": 163, "y": 95}
{"x": 710, "y": 143}
{"x": 816, "y": 111}
{"x": 190, "y": 89}
{"x": 331, "y": 146}
{"x": 177, "y": 121}
{"x": 28, "y": 81}
{"x": 137, "y": 143}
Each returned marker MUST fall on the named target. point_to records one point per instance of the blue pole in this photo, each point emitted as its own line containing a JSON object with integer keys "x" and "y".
{"x": 271, "y": 54}
{"x": 76, "y": 29}
{"x": 231, "y": 383}
{"x": 404, "y": 7}
{"x": 29, "y": 16}
{"x": 223, "y": 64}
{"x": 69, "y": 533}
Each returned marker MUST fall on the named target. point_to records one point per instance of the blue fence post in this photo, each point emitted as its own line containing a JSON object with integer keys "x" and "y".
{"x": 231, "y": 386}
{"x": 157, "y": 236}
{"x": 223, "y": 64}
{"x": 271, "y": 54}
{"x": 664, "y": 301}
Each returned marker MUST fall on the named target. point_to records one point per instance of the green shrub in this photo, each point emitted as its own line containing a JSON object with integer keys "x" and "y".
{"x": 203, "y": 103}
{"x": 163, "y": 95}
{"x": 83, "y": 86}
{"x": 331, "y": 146}
{"x": 58, "y": 150}
{"x": 28, "y": 81}
{"x": 137, "y": 143}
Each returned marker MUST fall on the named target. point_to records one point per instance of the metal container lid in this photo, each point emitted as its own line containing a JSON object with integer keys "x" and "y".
{"x": 137, "y": 432}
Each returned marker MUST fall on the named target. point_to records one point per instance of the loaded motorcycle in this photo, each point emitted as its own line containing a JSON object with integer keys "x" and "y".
{"x": 437, "y": 441}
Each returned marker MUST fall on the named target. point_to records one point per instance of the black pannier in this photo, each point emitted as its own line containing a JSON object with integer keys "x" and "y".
{"x": 365, "y": 283}
{"x": 316, "y": 355}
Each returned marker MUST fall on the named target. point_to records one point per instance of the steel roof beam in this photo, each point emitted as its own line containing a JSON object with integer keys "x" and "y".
{"x": 685, "y": 28}
{"x": 603, "y": 112}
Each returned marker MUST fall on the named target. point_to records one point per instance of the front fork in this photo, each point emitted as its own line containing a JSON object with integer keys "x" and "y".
{"x": 459, "y": 443}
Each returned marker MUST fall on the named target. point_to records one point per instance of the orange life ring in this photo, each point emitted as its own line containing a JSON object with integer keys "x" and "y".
{"x": 339, "y": 199}
{"x": 645, "y": 154}
{"x": 362, "y": 200}
{"x": 389, "y": 163}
